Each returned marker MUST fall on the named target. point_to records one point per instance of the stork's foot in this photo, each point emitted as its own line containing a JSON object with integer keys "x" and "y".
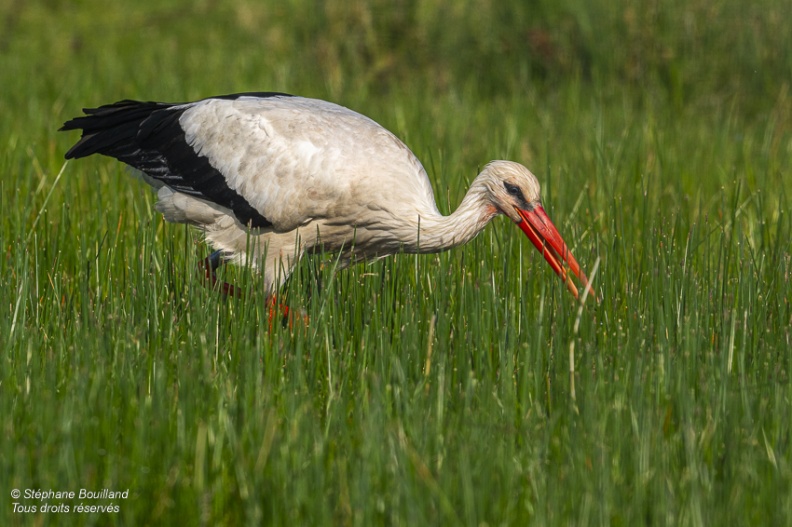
{"x": 276, "y": 311}
{"x": 209, "y": 266}
{"x": 288, "y": 317}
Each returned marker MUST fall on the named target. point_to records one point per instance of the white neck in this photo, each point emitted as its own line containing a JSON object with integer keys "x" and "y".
{"x": 439, "y": 233}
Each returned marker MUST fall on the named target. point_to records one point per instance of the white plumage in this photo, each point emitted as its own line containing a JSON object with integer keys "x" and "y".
{"x": 280, "y": 176}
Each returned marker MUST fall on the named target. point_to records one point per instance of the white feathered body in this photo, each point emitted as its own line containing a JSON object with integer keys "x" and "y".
{"x": 324, "y": 176}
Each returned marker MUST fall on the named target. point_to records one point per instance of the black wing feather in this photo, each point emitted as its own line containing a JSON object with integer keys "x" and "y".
{"x": 149, "y": 137}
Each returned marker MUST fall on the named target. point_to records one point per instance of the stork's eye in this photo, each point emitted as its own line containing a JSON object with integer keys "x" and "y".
{"x": 515, "y": 191}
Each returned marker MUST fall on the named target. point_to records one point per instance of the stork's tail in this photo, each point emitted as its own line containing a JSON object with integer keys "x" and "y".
{"x": 111, "y": 129}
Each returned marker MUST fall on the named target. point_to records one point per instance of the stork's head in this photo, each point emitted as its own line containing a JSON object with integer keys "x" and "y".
{"x": 514, "y": 191}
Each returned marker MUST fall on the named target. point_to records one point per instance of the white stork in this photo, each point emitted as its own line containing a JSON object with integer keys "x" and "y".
{"x": 268, "y": 177}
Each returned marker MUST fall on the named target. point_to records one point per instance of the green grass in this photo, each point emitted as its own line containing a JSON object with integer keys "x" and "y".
{"x": 425, "y": 389}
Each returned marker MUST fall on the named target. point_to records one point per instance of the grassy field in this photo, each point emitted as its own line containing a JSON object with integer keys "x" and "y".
{"x": 465, "y": 388}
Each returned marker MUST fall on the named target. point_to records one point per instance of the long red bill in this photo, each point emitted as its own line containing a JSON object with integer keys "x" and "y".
{"x": 543, "y": 234}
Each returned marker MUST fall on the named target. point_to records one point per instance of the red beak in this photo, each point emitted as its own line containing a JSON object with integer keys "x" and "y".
{"x": 543, "y": 234}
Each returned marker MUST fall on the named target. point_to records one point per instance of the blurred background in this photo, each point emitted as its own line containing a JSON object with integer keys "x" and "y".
{"x": 702, "y": 52}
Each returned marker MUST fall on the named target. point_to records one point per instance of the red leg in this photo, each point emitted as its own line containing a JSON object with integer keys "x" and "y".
{"x": 209, "y": 266}
{"x": 288, "y": 316}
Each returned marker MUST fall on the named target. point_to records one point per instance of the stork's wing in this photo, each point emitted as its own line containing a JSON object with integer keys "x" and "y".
{"x": 273, "y": 160}
{"x": 149, "y": 137}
